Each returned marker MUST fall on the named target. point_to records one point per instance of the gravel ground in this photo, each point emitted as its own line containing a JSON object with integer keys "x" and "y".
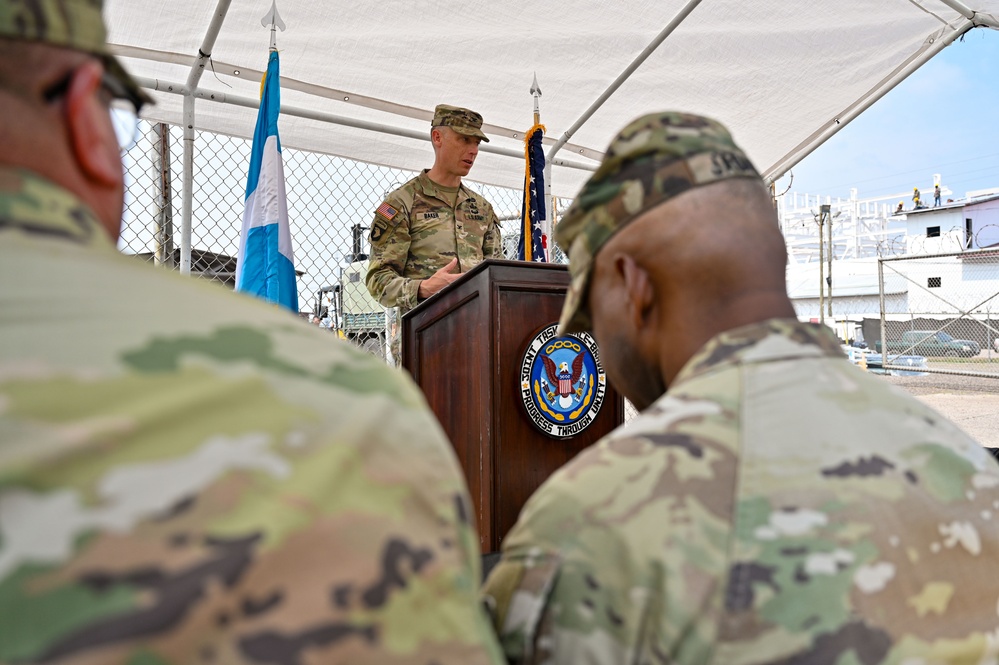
{"x": 970, "y": 402}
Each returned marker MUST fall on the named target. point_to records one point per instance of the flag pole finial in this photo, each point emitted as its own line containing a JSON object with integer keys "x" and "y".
{"x": 536, "y": 92}
{"x": 273, "y": 21}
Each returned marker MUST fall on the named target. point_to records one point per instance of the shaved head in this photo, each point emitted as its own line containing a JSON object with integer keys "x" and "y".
{"x": 709, "y": 260}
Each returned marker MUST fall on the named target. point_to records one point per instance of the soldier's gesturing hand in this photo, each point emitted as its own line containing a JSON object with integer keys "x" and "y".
{"x": 439, "y": 280}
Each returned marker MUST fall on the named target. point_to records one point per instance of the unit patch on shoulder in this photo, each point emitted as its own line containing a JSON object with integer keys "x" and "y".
{"x": 562, "y": 383}
{"x": 377, "y": 230}
{"x": 387, "y": 211}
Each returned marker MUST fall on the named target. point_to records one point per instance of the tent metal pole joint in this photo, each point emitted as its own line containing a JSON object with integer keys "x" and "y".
{"x": 208, "y": 45}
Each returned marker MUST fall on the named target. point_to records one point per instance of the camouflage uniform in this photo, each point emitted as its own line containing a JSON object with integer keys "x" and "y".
{"x": 417, "y": 231}
{"x": 191, "y": 476}
{"x": 422, "y": 237}
{"x": 210, "y": 480}
{"x": 775, "y": 505}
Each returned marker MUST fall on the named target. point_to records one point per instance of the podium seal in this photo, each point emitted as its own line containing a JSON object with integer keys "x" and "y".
{"x": 562, "y": 383}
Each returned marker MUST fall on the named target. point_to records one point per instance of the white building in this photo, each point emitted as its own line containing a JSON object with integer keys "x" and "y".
{"x": 954, "y": 227}
{"x": 923, "y": 285}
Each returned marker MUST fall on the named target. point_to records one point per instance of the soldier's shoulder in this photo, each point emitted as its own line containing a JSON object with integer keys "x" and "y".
{"x": 404, "y": 195}
{"x": 695, "y": 436}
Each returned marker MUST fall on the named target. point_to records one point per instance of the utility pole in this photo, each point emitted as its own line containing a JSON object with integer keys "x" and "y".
{"x": 822, "y": 264}
{"x": 826, "y": 209}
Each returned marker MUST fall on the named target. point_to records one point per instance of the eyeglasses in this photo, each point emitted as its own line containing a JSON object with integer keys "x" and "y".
{"x": 123, "y": 106}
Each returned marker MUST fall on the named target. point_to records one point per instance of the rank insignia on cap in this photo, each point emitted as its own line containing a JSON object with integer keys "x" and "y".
{"x": 387, "y": 211}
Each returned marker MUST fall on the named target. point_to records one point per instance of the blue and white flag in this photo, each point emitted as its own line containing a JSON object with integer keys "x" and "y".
{"x": 534, "y": 198}
{"x": 266, "y": 265}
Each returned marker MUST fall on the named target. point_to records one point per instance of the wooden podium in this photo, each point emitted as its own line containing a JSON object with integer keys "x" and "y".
{"x": 465, "y": 348}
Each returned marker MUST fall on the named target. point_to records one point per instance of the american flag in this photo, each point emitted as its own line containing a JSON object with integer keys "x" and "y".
{"x": 534, "y": 198}
{"x": 387, "y": 211}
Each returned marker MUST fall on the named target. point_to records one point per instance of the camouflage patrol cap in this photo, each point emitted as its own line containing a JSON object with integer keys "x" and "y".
{"x": 72, "y": 24}
{"x": 460, "y": 120}
{"x": 653, "y": 159}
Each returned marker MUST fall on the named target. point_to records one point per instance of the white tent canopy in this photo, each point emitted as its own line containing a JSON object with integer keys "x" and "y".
{"x": 783, "y": 76}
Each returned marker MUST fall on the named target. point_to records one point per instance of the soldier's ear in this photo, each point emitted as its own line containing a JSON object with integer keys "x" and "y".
{"x": 638, "y": 289}
{"x": 88, "y": 121}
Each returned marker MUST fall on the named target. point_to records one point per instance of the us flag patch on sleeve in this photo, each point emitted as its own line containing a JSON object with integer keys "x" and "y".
{"x": 387, "y": 211}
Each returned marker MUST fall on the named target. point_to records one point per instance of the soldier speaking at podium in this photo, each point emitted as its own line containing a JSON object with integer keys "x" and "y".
{"x": 433, "y": 228}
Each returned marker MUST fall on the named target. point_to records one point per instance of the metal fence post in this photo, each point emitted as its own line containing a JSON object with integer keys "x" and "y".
{"x": 164, "y": 200}
{"x": 188, "y": 208}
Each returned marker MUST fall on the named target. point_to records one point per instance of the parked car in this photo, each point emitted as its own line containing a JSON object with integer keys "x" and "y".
{"x": 910, "y": 365}
{"x": 931, "y": 343}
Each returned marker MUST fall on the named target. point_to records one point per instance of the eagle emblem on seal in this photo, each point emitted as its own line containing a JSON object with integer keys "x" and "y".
{"x": 563, "y": 383}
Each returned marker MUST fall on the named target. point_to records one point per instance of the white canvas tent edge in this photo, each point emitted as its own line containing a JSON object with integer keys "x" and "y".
{"x": 784, "y": 78}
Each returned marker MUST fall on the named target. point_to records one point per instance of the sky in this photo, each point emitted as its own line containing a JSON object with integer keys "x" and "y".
{"x": 943, "y": 119}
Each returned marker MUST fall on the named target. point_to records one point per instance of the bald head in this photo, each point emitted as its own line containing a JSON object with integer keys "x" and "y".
{"x": 704, "y": 262}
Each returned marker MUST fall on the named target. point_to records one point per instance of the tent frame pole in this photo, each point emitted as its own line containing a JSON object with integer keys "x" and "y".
{"x": 970, "y": 14}
{"x": 793, "y": 158}
{"x": 247, "y": 102}
{"x": 624, "y": 76}
{"x": 197, "y": 69}
{"x": 187, "y": 207}
{"x": 611, "y": 89}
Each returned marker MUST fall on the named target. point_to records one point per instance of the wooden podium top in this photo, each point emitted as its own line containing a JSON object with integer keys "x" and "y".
{"x": 492, "y": 264}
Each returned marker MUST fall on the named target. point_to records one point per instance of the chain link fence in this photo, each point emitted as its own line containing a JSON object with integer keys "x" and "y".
{"x": 330, "y": 206}
{"x": 943, "y": 308}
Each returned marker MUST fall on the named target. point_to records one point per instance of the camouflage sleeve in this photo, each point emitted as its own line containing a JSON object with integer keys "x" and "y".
{"x": 390, "y": 241}
{"x": 580, "y": 582}
{"x": 492, "y": 243}
{"x": 566, "y": 590}
{"x": 516, "y": 596}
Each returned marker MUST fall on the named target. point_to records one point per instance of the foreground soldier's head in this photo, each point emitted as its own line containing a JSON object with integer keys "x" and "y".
{"x": 57, "y": 85}
{"x": 672, "y": 241}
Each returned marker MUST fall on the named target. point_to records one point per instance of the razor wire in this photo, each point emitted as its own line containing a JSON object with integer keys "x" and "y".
{"x": 946, "y": 310}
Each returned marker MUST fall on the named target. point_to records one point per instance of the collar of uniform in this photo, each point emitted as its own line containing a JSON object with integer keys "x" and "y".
{"x": 36, "y": 206}
{"x": 431, "y": 188}
{"x": 774, "y": 339}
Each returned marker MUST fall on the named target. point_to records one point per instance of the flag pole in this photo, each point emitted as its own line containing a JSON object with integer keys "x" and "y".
{"x": 532, "y": 240}
{"x": 536, "y": 92}
{"x": 265, "y": 266}
{"x": 546, "y": 226}
{"x": 273, "y": 20}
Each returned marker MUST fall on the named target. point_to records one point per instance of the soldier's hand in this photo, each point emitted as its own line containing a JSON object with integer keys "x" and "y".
{"x": 439, "y": 280}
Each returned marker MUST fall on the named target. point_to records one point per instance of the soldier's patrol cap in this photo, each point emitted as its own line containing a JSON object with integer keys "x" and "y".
{"x": 653, "y": 159}
{"x": 72, "y": 24}
{"x": 460, "y": 120}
